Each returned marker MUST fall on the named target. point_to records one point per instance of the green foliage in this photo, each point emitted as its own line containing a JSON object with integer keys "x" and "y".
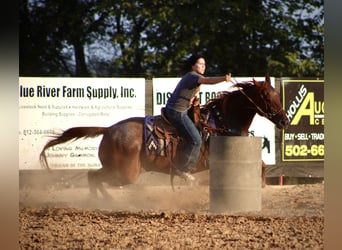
{"x": 150, "y": 38}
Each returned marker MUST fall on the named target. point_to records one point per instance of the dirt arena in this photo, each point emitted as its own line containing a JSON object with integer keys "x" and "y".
{"x": 144, "y": 216}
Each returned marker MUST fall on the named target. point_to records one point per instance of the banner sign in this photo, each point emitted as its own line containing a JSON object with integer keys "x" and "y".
{"x": 163, "y": 87}
{"x": 303, "y": 102}
{"x": 52, "y": 105}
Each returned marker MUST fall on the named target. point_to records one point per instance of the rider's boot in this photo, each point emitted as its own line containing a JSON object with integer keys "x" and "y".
{"x": 185, "y": 175}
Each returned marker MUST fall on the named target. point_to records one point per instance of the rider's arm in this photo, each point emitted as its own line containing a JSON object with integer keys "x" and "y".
{"x": 215, "y": 79}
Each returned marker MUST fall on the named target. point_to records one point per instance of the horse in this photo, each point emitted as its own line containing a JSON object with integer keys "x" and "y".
{"x": 122, "y": 150}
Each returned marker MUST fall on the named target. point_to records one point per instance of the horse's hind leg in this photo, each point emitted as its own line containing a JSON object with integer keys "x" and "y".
{"x": 118, "y": 168}
{"x": 95, "y": 179}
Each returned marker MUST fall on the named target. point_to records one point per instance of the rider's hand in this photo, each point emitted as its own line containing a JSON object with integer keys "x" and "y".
{"x": 228, "y": 77}
{"x": 195, "y": 101}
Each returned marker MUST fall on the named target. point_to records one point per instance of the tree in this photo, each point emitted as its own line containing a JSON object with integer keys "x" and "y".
{"x": 39, "y": 52}
{"x": 58, "y": 31}
{"x": 301, "y": 23}
{"x": 149, "y": 38}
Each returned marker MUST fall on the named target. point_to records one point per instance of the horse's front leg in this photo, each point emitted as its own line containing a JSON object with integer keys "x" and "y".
{"x": 263, "y": 174}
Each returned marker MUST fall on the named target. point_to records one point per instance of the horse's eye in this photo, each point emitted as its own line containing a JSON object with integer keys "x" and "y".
{"x": 265, "y": 97}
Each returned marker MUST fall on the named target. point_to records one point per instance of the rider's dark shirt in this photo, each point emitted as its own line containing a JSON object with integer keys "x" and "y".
{"x": 185, "y": 90}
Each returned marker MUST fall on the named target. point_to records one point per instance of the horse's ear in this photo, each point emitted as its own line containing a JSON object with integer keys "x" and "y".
{"x": 255, "y": 82}
{"x": 268, "y": 79}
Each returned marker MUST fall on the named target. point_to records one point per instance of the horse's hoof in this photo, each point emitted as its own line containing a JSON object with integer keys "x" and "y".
{"x": 92, "y": 196}
{"x": 108, "y": 198}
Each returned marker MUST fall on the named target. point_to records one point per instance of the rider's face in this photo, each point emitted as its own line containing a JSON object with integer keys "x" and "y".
{"x": 199, "y": 66}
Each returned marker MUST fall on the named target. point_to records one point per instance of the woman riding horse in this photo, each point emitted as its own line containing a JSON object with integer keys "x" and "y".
{"x": 122, "y": 149}
{"x": 177, "y": 108}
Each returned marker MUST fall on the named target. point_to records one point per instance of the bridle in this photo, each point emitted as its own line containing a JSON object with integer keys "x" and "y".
{"x": 219, "y": 120}
{"x": 263, "y": 113}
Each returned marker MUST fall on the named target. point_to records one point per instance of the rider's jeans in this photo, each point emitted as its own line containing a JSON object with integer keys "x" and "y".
{"x": 184, "y": 125}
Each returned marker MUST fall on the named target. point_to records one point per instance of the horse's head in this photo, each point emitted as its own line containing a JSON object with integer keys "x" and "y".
{"x": 266, "y": 101}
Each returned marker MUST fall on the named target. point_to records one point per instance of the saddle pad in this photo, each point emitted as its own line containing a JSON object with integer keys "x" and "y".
{"x": 153, "y": 144}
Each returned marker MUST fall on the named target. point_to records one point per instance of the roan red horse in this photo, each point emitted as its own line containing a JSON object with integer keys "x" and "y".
{"x": 123, "y": 152}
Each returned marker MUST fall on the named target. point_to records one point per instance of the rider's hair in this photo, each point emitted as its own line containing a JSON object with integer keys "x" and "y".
{"x": 189, "y": 62}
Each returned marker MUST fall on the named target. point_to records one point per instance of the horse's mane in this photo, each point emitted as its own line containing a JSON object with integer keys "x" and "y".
{"x": 220, "y": 97}
{"x": 224, "y": 95}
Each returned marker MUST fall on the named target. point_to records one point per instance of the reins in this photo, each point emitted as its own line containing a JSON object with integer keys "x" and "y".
{"x": 251, "y": 100}
{"x": 268, "y": 115}
{"x": 221, "y": 128}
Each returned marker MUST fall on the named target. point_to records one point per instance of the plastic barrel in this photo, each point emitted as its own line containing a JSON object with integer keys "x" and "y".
{"x": 235, "y": 174}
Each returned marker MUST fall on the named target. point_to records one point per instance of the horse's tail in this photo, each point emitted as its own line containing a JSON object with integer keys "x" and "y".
{"x": 70, "y": 134}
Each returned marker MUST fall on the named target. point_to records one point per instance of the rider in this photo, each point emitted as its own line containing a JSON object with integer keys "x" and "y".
{"x": 179, "y": 103}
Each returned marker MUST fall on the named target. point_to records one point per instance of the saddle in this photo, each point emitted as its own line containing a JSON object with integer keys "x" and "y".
{"x": 161, "y": 137}
{"x": 163, "y": 127}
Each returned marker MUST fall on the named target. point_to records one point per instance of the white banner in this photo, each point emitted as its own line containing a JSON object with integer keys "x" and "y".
{"x": 163, "y": 87}
{"x": 48, "y": 105}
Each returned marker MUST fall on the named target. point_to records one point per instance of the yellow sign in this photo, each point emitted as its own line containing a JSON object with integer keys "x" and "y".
{"x": 303, "y": 102}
